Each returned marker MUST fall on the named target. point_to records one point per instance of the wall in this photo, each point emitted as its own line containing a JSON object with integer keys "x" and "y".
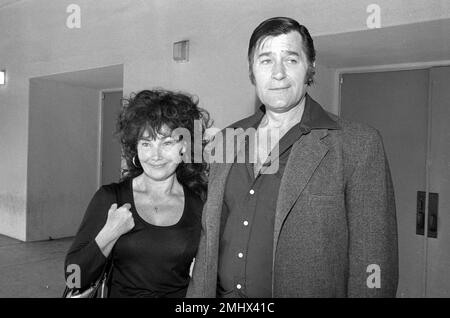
{"x": 62, "y": 157}
{"x": 139, "y": 34}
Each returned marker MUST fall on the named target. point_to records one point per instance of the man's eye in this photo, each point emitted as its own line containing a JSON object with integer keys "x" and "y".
{"x": 145, "y": 144}
{"x": 264, "y": 62}
{"x": 292, "y": 61}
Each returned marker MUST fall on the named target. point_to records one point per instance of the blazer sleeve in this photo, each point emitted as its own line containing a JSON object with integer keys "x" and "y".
{"x": 84, "y": 250}
{"x": 196, "y": 285}
{"x": 371, "y": 217}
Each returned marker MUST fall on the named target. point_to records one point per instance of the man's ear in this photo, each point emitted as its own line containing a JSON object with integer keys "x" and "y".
{"x": 250, "y": 75}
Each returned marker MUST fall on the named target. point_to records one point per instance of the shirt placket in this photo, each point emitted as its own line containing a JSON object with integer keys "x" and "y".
{"x": 245, "y": 227}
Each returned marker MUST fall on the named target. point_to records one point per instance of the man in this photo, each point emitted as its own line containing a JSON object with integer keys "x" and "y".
{"x": 322, "y": 225}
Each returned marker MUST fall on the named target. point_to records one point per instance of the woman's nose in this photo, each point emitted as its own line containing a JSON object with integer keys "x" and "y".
{"x": 156, "y": 153}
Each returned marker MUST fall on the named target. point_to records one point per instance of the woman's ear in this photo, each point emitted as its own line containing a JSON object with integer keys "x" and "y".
{"x": 183, "y": 146}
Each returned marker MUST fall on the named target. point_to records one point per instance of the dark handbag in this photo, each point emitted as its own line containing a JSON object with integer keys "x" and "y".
{"x": 100, "y": 289}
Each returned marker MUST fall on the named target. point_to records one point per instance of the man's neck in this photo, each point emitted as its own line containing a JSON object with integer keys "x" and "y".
{"x": 284, "y": 121}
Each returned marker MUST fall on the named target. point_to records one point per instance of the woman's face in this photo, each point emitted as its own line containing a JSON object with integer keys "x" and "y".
{"x": 159, "y": 157}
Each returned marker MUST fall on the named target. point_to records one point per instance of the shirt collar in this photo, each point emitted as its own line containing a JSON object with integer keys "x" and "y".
{"x": 314, "y": 117}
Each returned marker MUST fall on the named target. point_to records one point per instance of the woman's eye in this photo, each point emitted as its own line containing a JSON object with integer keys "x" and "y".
{"x": 168, "y": 143}
{"x": 145, "y": 144}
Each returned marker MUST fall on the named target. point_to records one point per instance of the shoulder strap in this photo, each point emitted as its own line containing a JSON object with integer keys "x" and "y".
{"x": 109, "y": 262}
{"x": 119, "y": 204}
{"x": 118, "y": 194}
{"x": 107, "y": 270}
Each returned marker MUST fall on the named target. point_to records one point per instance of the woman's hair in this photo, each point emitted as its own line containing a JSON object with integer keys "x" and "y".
{"x": 152, "y": 111}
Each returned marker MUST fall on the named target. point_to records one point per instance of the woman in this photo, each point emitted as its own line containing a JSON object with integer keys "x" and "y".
{"x": 152, "y": 236}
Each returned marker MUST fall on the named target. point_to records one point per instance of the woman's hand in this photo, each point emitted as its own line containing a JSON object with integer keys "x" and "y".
{"x": 119, "y": 221}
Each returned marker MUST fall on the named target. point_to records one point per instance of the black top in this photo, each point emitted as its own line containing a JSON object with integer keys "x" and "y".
{"x": 150, "y": 260}
{"x": 247, "y": 220}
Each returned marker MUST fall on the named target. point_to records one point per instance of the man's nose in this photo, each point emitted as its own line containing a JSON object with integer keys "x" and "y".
{"x": 278, "y": 71}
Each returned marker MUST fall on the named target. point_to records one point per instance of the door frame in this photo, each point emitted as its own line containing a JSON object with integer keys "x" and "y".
{"x": 100, "y": 131}
{"x": 378, "y": 68}
{"x": 400, "y": 67}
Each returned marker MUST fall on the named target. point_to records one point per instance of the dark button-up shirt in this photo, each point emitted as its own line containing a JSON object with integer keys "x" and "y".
{"x": 248, "y": 214}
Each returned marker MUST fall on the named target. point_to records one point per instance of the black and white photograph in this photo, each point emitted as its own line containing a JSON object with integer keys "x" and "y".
{"x": 224, "y": 149}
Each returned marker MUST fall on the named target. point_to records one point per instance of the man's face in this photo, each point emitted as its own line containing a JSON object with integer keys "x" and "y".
{"x": 280, "y": 69}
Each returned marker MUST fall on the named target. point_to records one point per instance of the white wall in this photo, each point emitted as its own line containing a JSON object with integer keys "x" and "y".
{"x": 62, "y": 157}
{"x": 139, "y": 35}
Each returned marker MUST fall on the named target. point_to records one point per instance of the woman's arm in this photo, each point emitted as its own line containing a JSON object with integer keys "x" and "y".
{"x": 95, "y": 238}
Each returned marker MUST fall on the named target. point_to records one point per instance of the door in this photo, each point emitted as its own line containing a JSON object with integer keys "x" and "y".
{"x": 111, "y": 151}
{"x": 396, "y": 104}
{"x": 411, "y": 111}
{"x": 438, "y": 249}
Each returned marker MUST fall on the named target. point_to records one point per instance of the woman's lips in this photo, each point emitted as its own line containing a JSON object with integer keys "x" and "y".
{"x": 157, "y": 166}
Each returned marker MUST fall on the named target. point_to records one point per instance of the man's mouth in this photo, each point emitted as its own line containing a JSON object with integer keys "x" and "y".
{"x": 278, "y": 88}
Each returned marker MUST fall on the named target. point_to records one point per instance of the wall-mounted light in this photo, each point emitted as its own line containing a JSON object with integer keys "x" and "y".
{"x": 2, "y": 77}
{"x": 181, "y": 51}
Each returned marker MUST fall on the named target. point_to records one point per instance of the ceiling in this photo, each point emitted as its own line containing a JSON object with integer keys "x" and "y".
{"x": 412, "y": 43}
{"x": 110, "y": 77}
{"x": 4, "y": 3}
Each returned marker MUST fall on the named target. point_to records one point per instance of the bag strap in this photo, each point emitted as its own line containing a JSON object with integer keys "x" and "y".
{"x": 109, "y": 262}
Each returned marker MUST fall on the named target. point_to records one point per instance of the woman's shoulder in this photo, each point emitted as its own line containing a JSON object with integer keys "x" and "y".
{"x": 120, "y": 185}
{"x": 113, "y": 189}
{"x": 194, "y": 199}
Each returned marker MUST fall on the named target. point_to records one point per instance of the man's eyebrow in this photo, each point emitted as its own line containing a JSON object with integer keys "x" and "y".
{"x": 292, "y": 53}
{"x": 264, "y": 54}
{"x": 287, "y": 51}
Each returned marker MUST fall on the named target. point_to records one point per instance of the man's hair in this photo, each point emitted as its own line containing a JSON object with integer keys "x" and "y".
{"x": 278, "y": 26}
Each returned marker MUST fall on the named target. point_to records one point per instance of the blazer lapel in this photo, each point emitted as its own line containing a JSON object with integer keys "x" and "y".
{"x": 306, "y": 154}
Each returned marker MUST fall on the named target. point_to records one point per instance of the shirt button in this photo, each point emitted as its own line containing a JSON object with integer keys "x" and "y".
{"x": 252, "y": 191}
{"x": 245, "y": 223}
{"x": 240, "y": 255}
{"x": 238, "y": 286}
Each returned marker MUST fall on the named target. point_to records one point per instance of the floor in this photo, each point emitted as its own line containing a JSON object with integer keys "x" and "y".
{"x": 32, "y": 269}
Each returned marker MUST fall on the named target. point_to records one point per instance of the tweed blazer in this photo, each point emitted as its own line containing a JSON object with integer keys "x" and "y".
{"x": 335, "y": 232}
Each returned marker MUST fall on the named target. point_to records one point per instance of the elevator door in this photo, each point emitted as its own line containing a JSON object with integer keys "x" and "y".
{"x": 411, "y": 109}
{"x": 395, "y": 103}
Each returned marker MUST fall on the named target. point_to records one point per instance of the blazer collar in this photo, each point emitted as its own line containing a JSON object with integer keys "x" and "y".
{"x": 314, "y": 117}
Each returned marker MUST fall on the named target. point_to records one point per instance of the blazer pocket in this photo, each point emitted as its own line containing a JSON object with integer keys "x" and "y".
{"x": 326, "y": 201}
{"x": 324, "y": 198}
{"x": 328, "y": 210}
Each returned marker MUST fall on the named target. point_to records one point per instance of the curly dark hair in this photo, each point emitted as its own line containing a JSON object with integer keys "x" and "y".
{"x": 152, "y": 110}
